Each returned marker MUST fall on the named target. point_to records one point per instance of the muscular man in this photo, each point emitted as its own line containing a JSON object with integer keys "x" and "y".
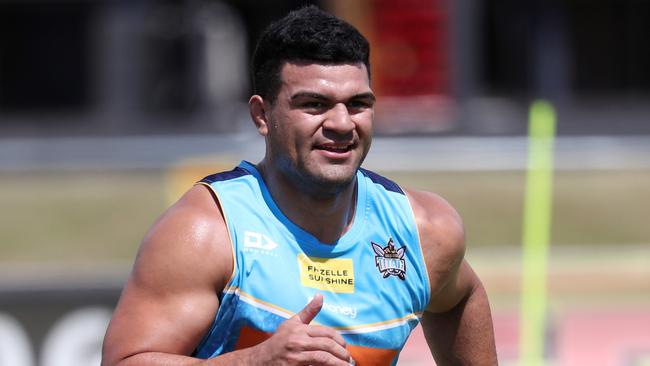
{"x": 304, "y": 258}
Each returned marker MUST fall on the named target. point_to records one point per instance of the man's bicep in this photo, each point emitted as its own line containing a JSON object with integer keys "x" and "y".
{"x": 457, "y": 322}
{"x": 161, "y": 318}
{"x": 159, "y": 311}
{"x": 457, "y": 286}
{"x": 463, "y": 334}
{"x": 170, "y": 299}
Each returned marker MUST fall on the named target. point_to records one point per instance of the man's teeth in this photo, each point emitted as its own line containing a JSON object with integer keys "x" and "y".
{"x": 335, "y": 148}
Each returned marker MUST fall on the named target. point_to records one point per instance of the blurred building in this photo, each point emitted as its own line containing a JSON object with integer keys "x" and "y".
{"x": 78, "y": 67}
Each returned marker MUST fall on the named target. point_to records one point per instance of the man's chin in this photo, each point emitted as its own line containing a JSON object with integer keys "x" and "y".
{"x": 324, "y": 182}
{"x": 337, "y": 174}
{"x": 334, "y": 182}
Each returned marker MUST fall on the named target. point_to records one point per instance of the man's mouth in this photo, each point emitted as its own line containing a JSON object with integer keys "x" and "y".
{"x": 335, "y": 148}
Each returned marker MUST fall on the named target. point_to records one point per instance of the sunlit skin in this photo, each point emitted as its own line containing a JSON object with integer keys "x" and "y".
{"x": 318, "y": 131}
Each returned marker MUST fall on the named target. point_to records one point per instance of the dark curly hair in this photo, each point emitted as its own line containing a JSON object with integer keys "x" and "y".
{"x": 306, "y": 34}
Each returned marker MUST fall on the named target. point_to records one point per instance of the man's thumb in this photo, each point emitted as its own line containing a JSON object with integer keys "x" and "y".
{"x": 309, "y": 312}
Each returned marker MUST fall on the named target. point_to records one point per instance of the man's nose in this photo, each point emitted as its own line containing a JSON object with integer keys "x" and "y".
{"x": 339, "y": 119}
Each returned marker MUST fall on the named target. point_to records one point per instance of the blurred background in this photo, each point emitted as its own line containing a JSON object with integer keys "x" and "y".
{"x": 110, "y": 109}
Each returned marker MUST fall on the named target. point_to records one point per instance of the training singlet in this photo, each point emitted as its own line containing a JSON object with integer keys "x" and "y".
{"x": 373, "y": 279}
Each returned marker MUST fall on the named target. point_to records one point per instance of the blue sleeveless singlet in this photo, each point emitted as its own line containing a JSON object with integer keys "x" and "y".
{"x": 373, "y": 279}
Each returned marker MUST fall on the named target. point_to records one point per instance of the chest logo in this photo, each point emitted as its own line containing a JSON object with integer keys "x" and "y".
{"x": 258, "y": 241}
{"x": 390, "y": 261}
{"x": 329, "y": 274}
{"x": 259, "y": 244}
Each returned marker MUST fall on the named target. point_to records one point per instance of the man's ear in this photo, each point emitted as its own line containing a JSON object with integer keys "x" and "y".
{"x": 258, "y": 110}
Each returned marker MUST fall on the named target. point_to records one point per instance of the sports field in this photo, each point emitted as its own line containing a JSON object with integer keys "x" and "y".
{"x": 102, "y": 215}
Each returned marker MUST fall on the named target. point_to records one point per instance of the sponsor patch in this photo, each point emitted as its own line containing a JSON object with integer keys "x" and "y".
{"x": 390, "y": 261}
{"x": 330, "y": 274}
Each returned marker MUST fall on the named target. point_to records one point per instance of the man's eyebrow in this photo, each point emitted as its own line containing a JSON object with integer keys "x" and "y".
{"x": 305, "y": 94}
{"x": 367, "y": 95}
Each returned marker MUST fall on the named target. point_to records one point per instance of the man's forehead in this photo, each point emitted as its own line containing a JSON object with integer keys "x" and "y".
{"x": 297, "y": 74}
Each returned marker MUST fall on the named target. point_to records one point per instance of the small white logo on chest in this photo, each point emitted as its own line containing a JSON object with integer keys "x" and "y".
{"x": 258, "y": 241}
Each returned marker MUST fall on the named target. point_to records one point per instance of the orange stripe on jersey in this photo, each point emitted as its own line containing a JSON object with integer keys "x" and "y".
{"x": 368, "y": 356}
{"x": 363, "y": 356}
{"x": 249, "y": 337}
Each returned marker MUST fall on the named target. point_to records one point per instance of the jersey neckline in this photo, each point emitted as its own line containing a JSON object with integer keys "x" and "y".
{"x": 303, "y": 237}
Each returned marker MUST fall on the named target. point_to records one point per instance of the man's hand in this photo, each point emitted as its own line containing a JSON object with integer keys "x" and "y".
{"x": 296, "y": 342}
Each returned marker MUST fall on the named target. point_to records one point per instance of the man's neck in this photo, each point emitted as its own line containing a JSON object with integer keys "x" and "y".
{"x": 326, "y": 218}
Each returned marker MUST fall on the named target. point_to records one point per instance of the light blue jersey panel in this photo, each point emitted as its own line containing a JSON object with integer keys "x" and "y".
{"x": 373, "y": 279}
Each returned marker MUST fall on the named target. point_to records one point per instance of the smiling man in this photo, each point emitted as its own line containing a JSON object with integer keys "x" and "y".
{"x": 304, "y": 258}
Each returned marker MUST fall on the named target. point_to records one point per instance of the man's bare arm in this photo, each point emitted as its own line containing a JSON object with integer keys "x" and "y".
{"x": 458, "y": 322}
{"x": 464, "y": 334}
{"x": 171, "y": 300}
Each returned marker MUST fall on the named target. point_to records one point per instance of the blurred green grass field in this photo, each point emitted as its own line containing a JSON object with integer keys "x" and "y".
{"x": 74, "y": 216}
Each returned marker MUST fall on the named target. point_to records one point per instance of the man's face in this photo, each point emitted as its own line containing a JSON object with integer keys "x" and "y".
{"x": 320, "y": 126}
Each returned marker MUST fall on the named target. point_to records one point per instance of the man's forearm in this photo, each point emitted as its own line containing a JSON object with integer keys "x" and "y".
{"x": 236, "y": 358}
{"x": 464, "y": 335}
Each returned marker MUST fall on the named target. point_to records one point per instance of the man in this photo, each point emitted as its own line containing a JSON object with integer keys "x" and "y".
{"x": 304, "y": 258}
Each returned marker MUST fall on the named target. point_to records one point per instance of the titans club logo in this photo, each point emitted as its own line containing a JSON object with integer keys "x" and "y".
{"x": 390, "y": 261}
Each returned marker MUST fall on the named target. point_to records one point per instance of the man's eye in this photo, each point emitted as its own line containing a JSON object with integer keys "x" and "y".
{"x": 314, "y": 105}
{"x": 358, "y": 104}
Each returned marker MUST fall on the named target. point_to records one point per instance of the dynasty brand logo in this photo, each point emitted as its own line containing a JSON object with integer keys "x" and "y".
{"x": 259, "y": 243}
{"x": 390, "y": 261}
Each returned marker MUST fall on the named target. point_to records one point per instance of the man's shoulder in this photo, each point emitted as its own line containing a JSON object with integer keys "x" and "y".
{"x": 194, "y": 223}
{"x": 197, "y": 206}
{"x": 191, "y": 236}
{"x": 433, "y": 209}
{"x": 439, "y": 224}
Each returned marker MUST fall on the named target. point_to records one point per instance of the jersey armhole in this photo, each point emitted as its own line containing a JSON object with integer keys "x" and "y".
{"x": 424, "y": 262}
{"x": 215, "y": 196}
